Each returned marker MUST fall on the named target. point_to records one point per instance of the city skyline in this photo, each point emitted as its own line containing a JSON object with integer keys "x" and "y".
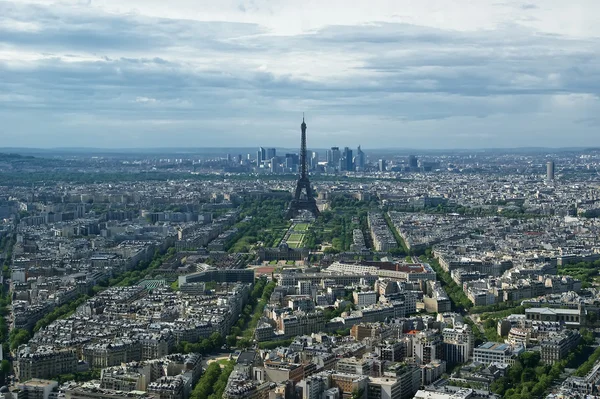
{"x": 204, "y": 74}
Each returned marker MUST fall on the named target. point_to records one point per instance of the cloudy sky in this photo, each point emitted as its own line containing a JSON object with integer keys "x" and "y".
{"x": 381, "y": 73}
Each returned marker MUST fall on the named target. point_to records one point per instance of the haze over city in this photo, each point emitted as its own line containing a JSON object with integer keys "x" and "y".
{"x": 427, "y": 74}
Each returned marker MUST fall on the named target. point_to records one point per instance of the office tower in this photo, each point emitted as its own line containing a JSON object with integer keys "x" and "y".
{"x": 271, "y": 153}
{"x": 303, "y": 196}
{"x": 291, "y": 161}
{"x": 550, "y": 170}
{"x": 261, "y": 155}
{"x": 413, "y": 161}
{"x": 347, "y": 163}
{"x": 314, "y": 160}
{"x": 239, "y": 158}
{"x": 359, "y": 160}
{"x": 228, "y": 158}
{"x": 334, "y": 159}
{"x": 382, "y": 165}
{"x": 274, "y": 165}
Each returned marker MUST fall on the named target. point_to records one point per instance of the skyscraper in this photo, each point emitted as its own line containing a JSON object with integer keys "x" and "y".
{"x": 334, "y": 157}
{"x": 550, "y": 170}
{"x": 359, "y": 160}
{"x": 348, "y": 164}
{"x": 382, "y": 165}
{"x": 261, "y": 155}
{"x": 413, "y": 161}
{"x": 314, "y": 160}
{"x": 271, "y": 153}
{"x": 274, "y": 165}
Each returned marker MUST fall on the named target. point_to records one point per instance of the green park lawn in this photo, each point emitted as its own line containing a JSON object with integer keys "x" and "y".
{"x": 301, "y": 227}
{"x": 295, "y": 237}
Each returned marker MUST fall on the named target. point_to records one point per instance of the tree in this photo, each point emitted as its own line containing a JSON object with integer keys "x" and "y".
{"x": 18, "y": 337}
{"x": 216, "y": 340}
{"x": 231, "y": 340}
{"x": 5, "y": 366}
{"x": 358, "y": 393}
{"x": 530, "y": 359}
{"x": 244, "y": 343}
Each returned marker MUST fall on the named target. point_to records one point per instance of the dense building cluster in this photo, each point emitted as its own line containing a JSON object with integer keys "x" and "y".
{"x": 428, "y": 277}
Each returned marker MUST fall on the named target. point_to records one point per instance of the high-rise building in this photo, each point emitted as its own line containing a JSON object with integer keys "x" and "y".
{"x": 291, "y": 161}
{"x": 271, "y": 153}
{"x": 382, "y": 165}
{"x": 347, "y": 162}
{"x": 550, "y": 170}
{"x": 359, "y": 160}
{"x": 413, "y": 161}
{"x": 314, "y": 160}
{"x": 274, "y": 165}
{"x": 334, "y": 157}
{"x": 261, "y": 155}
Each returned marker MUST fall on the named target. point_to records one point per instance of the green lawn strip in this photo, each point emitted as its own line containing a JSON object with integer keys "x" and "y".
{"x": 301, "y": 227}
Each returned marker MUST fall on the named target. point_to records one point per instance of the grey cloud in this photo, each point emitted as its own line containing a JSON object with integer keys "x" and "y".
{"x": 529, "y": 6}
{"x": 105, "y": 32}
{"x": 421, "y": 79}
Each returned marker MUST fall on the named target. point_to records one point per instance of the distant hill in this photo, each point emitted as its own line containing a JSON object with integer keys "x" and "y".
{"x": 12, "y": 156}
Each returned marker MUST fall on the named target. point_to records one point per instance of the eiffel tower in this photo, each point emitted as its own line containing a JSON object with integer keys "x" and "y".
{"x": 303, "y": 197}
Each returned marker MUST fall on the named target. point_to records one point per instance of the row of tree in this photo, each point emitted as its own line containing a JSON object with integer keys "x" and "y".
{"x": 454, "y": 291}
{"x": 204, "y": 346}
{"x": 587, "y": 366}
{"x": 402, "y": 249}
{"x": 512, "y": 212}
{"x": 141, "y": 270}
{"x": 242, "y": 333}
{"x": 60, "y": 312}
{"x": 6, "y": 247}
{"x": 213, "y": 382}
